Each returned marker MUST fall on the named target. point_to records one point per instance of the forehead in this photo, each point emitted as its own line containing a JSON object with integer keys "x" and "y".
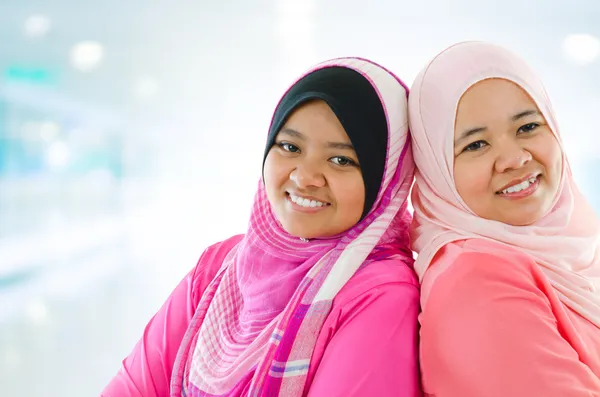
{"x": 316, "y": 120}
{"x": 492, "y": 98}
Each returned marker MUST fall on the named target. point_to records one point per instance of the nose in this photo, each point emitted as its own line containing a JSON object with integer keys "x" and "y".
{"x": 512, "y": 156}
{"x": 306, "y": 175}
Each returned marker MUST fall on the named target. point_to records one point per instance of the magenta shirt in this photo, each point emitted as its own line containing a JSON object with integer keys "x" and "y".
{"x": 368, "y": 345}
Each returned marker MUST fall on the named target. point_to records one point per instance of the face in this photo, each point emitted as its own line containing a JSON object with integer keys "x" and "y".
{"x": 507, "y": 161}
{"x": 312, "y": 175}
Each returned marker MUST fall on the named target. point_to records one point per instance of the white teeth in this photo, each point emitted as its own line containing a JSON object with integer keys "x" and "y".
{"x": 304, "y": 202}
{"x": 521, "y": 186}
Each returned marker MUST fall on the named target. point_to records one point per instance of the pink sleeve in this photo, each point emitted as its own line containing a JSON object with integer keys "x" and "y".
{"x": 488, "y": 329}
{"x": 146, "y": 372}
{"x": 374, "y": 350}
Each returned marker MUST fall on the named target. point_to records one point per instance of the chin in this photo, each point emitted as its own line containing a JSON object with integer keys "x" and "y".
{"x": 520, "y": 222}
{"x": 523, "y": 219}
{"x": 295, "y": 230}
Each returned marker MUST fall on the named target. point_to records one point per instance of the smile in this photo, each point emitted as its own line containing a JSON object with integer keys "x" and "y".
{"x": 520, "y": 186}
{"x": 522, "y": 189}
{"x": 306, "y": 202}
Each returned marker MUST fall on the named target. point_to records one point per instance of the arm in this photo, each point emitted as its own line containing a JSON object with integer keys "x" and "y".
{"x": 489, "y": 330}
{"x": 148, "y": 369}
{"x": 374, "y": 350}
{"x": 146, "y": 372}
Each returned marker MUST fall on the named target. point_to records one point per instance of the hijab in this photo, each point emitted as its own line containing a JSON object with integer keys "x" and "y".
{"x": 564, "y": 242}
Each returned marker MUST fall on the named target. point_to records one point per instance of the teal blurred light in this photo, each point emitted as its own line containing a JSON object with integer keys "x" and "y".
{"x": 29, "y": 75}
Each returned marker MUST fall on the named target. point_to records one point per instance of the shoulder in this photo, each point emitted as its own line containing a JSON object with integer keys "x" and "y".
{"x": 210, "y": 262}
{"x": 219, "y": 250}
{"x": 381, "y": 286}
{"x": 483, "y": 285}
{"x": 482, "y": 266}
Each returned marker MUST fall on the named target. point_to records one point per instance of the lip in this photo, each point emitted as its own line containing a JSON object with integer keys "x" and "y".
{"x": 523, "y": 193}
{"x": 307, "y": 197}
{"x": 517, "y": 181}
{"x": 307, "y": 210}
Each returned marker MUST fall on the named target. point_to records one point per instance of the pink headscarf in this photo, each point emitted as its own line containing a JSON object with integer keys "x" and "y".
{"x": 256, "y": 325}
{"x": 564, "y": 242}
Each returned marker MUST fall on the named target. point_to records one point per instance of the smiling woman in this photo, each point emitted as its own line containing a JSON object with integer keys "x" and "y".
{"x": 287, "y": 309}
{"x": 508, "y": 248}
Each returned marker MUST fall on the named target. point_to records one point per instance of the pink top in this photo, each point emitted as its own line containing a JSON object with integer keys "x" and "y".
{"x": 367, "y": 346}
{"x": 494, "y": 326}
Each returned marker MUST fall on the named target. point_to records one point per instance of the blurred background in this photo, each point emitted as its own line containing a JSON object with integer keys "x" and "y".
{"x": 131, "y": 137}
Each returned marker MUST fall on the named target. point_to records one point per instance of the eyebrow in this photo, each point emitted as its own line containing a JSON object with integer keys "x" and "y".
{"x": 331, "y": 145}
{"x": 469, "y": 133}
{"x": 293, "y": 133}
{"x": 525, "y": 114}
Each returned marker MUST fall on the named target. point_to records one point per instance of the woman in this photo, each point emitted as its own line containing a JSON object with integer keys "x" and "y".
{"x": 319, "y": 297}
{"x": 507, "y": 246}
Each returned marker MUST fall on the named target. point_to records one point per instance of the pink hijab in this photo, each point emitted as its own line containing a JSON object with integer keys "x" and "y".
{"x": 257, "y": 323}
{"x": 564, "y": 242}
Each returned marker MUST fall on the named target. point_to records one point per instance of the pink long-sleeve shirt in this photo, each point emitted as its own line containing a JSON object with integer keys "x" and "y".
{"x": 368, "y": 345}
{"x": 493, "y": 326}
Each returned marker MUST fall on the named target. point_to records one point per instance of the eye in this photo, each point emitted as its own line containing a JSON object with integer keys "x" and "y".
{"x": 343, "y": 161}
{"x": 475, "y": 146}
{"x": 528, "y": 127}
{"x": 288, "y": 147}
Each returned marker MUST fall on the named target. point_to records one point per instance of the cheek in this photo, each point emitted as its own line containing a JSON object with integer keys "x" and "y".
{"x": 550, "y": 156}
{"x": 274, "y": 173}
{"x": 349, "y": 193}
{"x": 557, "y": 157}
{"x": 472, "y": 180}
